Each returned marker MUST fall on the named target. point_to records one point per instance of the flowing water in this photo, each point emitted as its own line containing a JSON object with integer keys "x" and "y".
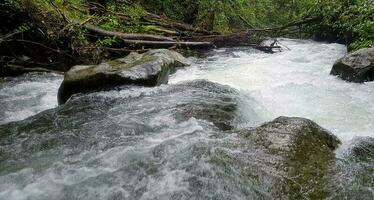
{"x": 156, "y": 143}
{"x": 24, "y": 96}
{"x": 293, "y": 83}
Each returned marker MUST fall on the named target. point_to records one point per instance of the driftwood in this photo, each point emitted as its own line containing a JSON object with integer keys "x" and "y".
{"x": 130, "y": 36}
{"x": 182, "y": 36}
{"x": 180, "y": 27}
{"x": 267, "y": 49}
{"x": 165, "y": 31}
{"x": 167, "y": 44}
{"x": 227, "y": 40}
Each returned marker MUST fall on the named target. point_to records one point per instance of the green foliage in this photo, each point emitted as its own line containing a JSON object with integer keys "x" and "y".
{"x": 130, "y": 24}
{"x": 226, "y": 15}
{"x": 340, "y": 20}
{"x": 7, "y": 7}
{"x": 349, "y": 21}
{"x": 108, "y": 41}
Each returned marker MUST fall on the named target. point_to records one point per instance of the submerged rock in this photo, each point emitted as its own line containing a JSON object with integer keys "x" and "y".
{"x": 131, "y": 142}
{"x": 362, "y": 150}
{"x": 356, "y": 67}
{"x": 163, "y": 143}
{"x": 169, "y": 142}
{"x": 355, "y": 167}
{"x": 135, "y": 108}
{"x": 149, "y": 69}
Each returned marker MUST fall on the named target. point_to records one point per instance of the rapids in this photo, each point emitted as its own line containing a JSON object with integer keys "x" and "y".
{"x": 156, "y": 143}
{"x": 295, "y": 82}
{"x": 27, "y": 95}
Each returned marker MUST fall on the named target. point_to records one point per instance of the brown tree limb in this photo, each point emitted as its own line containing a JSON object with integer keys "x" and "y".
{"x": 168, "y": 23}
{"x": 164, "y": 31}
{"x": 129, "y": 36}
{"x": 167, "y": 44}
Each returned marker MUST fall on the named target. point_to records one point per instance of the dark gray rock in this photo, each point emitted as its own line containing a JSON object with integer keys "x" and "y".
{"x": 362, "y": 150}
{"x": 355, "y": 170}
{"x": 356, "y": 67}
{"x": 149, "y": 69}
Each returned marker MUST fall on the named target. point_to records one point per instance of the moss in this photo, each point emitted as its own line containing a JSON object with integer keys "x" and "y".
{"x": 308, "y": 166}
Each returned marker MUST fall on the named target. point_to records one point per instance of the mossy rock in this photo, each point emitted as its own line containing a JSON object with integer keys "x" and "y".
{"x": 149, "y": 69}
{"x": 301, "y": 154}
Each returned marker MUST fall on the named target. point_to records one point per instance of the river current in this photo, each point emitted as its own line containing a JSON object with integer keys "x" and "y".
{"x": 295, "y": 82}
{"x": 142, "y": 143}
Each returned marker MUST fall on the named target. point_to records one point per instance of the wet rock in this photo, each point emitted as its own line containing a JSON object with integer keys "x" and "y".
{"x": 299, "y": 154}
{"x": 131, "y": 111}
{"x": 362, "y": 149}
{"x": 213, "y": 104}
{"x": 285, "y": 133}
{"x": 355, "y": 170}
{"x": 145, "y": 136}
{"x": 149, "y": 69}
{"x": 356, "y": 67}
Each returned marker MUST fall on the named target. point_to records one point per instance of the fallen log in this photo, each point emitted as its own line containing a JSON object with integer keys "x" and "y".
{"x": 228, "y": 40}
{"x": 129, "y": 36}
{"x": 164, "y": 31}
{"x": 167, "y": 44}
{"x": 266, "y": 49}
{"x": 177, "y": 26}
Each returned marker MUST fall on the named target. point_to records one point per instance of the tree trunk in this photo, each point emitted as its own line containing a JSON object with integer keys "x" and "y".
{"x": 140, "y": 44}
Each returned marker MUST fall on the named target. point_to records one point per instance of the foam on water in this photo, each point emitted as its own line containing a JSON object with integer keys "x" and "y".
{"x": 295, "y": 82}
{"x": 131, "y": 144}
{"x": 24, "y": 96}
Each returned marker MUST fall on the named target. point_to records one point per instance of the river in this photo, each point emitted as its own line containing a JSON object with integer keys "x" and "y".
{"x": 139, "y": 143}
{"x": 293, "y": 83}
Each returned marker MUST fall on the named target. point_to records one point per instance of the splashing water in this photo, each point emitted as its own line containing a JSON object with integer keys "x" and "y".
{"x": 142, "y": 143}
{"x": 295, "y": 82}
{"x": 24, "y": 96}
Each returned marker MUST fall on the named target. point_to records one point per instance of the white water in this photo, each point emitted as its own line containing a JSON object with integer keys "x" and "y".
{"x": 27, "y": 95}
{"x": 139, "y": 149}
{"x": 295, "y": 82}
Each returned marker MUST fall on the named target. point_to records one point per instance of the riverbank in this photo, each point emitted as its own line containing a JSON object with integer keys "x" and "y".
{"x": 43, "y": 35}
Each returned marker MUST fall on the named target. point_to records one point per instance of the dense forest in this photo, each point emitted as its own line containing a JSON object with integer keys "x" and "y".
{"x": 56, "y": 33}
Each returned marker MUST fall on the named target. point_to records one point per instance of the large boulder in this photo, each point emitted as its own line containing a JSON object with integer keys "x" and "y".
{"x": 356, "y": 67}
{"x": 285, "y": 133}
{"x": 149, "y": 69}
{"x": 298, "y": 155}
